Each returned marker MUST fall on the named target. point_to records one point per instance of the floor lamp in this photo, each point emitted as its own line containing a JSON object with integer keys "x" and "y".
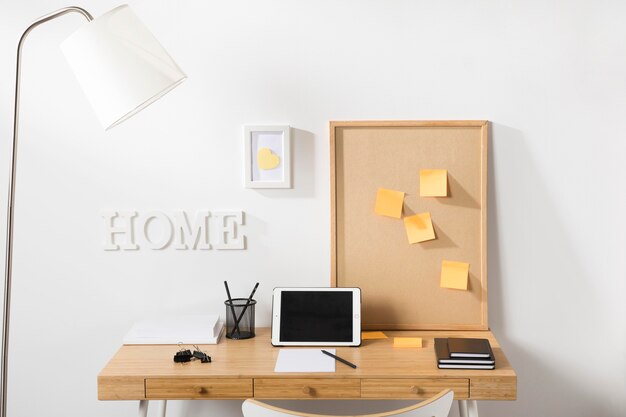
{"x": 122, "y": 69}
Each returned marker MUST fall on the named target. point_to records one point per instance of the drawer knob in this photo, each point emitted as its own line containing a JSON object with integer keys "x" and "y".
{"x": 307, "y": 390}
{"x": 414, "y": 389}
{"x": 200, "y": 390}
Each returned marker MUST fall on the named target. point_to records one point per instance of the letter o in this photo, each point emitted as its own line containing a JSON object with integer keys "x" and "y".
{"x": 168, "y": 230}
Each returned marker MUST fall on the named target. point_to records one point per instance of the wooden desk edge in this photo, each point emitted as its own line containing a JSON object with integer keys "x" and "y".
{"x": 500, "y": 388}
{"x": 121, "y": 388}
{"x": 117, "y": 388}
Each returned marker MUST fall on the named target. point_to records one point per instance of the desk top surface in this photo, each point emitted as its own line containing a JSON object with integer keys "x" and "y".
{"x": 256, "y": 357}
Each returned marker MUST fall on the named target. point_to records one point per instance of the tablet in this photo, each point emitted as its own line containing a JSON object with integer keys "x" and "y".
{"x": 316, "y": 317}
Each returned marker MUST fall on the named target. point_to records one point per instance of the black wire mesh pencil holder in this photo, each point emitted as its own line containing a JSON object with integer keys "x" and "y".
{"x": 240, "y": 318}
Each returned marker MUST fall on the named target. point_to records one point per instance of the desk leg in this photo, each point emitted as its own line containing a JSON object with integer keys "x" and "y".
{"x": 162, "y": 408}
{"x": 143, "y": 408}
{"x": 472, "y": 408}
{"x": 468, "y": 408}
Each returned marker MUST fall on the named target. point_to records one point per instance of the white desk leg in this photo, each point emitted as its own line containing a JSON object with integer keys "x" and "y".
{"x": 468, "y": 408}
{"x": 162, "y": 408}
{"x": 143, "y": 408}
{"x": 462, "y": 408}
{"x": 472, "y": 408}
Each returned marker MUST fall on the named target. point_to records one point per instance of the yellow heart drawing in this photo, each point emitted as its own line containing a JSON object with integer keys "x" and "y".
{"x": 266, "y": 159}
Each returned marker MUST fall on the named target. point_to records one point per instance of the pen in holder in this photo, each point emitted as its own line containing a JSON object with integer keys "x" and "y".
{"x": 240, "y": 318}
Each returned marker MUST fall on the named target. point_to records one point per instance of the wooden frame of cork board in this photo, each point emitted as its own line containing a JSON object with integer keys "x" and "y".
{"x": 400, "y": 282}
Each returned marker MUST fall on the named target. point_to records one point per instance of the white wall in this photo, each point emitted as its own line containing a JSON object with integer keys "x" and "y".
{"x": 551, "y": 76}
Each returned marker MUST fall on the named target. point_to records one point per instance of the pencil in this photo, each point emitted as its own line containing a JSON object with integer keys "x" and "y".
{"x": 232, "y": 309}
{"x": 244, "y": 310}
{"x": 350, "y": 364}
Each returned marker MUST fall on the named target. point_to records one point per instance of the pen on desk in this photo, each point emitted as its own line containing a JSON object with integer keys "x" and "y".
{"x": 339, "y": 359}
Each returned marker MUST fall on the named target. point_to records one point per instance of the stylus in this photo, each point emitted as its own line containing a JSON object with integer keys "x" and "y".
{"x": 232, "y": 309}
{"x": 339, "y": 359}
{"x": 244, "y": 309}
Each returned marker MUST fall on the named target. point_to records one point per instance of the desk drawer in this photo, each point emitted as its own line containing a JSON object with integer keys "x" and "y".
{"x": 417, "y": 388}
{"x": 196, "y": 388}
{"x": 306, "y": 388}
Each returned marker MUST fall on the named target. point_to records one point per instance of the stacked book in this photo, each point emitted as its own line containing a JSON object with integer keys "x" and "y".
{"x": 464, "y": 353}
{"x": 201, "y": 329}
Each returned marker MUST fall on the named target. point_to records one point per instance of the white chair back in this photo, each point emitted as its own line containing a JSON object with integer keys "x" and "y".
{"x": 437, "y": 406}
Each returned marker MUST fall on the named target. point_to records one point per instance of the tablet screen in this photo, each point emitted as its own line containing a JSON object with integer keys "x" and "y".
{"x": 316, "y": 316}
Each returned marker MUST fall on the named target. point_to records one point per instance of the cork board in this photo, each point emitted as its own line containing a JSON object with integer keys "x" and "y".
{"x": 400, "y": 282}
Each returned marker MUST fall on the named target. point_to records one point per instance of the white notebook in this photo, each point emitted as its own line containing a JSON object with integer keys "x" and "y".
{"x": 192, "y": 329}
{"x": 304, "y": 360}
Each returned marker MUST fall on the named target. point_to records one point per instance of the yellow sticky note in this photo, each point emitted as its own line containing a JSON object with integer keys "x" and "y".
{"x": 373, "y": 335}
{"x": 433, "y": 182}
{"x": 454, "y": 275}
{"x": 389, "y": 203}
{"x": 419, "y": 228}
{"x": 407, "y": 342}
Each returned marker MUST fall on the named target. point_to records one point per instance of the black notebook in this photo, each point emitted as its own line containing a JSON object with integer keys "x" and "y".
{"x": 460, "y": 366}
{"x": 444, "y": 361}
{"x": 469, "y": 348}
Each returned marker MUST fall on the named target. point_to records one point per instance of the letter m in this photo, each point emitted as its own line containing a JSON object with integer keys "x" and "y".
{"x": 196, "y": 235}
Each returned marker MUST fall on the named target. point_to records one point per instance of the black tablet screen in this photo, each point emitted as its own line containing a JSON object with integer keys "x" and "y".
{"x": 316, "y": 316}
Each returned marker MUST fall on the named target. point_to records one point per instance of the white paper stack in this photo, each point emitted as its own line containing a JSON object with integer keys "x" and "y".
{"x": 304, "y": 360}
{"x": 193, "y": 330}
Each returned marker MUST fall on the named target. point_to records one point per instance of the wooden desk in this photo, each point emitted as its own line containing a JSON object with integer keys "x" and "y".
{"x": 245, "y": 369}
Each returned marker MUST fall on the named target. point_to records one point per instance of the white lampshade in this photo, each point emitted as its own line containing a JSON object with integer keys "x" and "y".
{"x": 120, "y": 65}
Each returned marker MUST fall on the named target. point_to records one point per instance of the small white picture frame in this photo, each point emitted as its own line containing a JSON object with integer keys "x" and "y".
{"x": 267, "y": 162}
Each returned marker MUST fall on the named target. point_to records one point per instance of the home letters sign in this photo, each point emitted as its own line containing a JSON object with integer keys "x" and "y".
{"x": 157, "y": 230}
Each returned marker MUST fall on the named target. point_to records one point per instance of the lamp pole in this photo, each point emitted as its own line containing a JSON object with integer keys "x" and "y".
{"x": 9, "y": 238}
{"x": 122, "y": 69}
